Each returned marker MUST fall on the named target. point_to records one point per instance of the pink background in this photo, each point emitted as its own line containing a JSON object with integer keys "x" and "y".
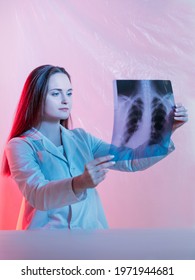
{"x": 97, "y": 42}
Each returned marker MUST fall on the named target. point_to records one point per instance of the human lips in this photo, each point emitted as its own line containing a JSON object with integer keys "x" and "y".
{"x": 64, "y": 109}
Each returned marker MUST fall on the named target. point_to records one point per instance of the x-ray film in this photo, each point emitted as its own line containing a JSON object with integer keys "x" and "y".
{"x": 143, "y": 114}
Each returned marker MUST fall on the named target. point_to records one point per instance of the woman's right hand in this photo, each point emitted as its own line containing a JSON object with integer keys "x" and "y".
{"x": 94, "y": 173}
{"x": 180, "y": 116}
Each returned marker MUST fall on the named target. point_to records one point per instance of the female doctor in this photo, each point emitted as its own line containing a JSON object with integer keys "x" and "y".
{"x": 57, "y": 169}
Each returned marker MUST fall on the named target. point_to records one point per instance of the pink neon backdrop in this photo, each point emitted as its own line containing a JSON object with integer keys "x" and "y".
{"x": 97, "y": 42}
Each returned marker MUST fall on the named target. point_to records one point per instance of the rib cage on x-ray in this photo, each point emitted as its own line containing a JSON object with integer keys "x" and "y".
{"x": 142, "y": 112}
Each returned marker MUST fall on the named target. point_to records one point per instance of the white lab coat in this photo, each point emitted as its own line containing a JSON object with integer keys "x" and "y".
{"x": 44, "y": 176}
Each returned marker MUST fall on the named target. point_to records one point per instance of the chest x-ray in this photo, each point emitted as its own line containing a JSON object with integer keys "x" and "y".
{"x": 143, "y": 112}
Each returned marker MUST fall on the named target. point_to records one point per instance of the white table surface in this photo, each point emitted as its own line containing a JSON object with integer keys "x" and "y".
{"x": 113, "y": 244}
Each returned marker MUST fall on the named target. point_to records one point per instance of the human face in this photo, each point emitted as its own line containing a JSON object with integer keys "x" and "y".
{"x": 58, "y": 101}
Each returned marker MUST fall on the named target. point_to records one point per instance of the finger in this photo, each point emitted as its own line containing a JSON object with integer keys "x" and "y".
{"x": 181, "y": 114}
{"x": 181, "y": 119}
{"x": 104, "y": 165}
{"x": 181, "y": 109}
{"x": 100, "y": 160}
{"x": 99, "y": 179}
{"x": 94, "y": 174}
{"x": 105, "y": 159}
{"x": 102, "y": 172}
{"x": 177, "y": 105}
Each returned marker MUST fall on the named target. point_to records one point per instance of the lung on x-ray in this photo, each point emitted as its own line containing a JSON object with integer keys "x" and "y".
{"x": 143, "y": 112}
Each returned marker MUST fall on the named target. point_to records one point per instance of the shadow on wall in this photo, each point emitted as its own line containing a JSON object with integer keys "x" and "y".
{"x": 10, "y": 203}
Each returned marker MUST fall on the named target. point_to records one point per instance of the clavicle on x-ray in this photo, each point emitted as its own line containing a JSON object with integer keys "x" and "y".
{"x": 143, "y": 113}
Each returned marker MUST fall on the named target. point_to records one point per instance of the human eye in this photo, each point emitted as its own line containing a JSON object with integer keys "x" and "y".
{"x": 69, "y": 93}
{"x": 55, "y": 93}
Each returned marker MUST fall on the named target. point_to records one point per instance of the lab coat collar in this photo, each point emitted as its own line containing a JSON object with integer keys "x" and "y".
{"x": 67, "y": 141}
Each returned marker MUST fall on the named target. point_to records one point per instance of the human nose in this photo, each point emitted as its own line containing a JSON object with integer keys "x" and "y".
{"x": 64, "y": 98}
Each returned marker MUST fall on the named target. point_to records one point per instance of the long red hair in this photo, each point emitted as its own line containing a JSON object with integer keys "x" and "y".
{"x": 31, "y": 104}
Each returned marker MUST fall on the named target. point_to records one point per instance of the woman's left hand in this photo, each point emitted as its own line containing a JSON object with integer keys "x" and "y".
{"x": 180, "y": 116}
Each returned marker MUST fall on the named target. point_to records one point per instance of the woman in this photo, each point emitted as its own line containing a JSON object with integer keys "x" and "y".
{"x": 58, "y": 169}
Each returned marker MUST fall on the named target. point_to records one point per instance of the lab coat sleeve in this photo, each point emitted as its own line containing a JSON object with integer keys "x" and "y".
{"x": 41, "y": 193}
{"x": 128, "y": 159}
